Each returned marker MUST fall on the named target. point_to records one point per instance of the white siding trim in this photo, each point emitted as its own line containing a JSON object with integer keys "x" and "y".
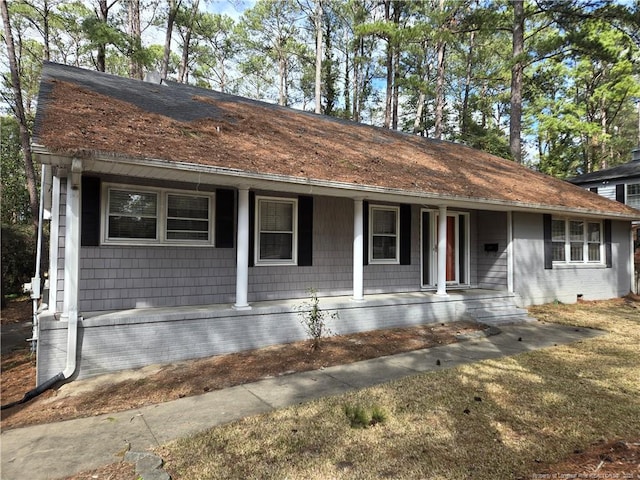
{"x": 54, "y": 232}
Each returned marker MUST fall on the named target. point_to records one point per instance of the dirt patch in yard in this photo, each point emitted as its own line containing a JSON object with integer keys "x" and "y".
{"x": 618, "y": 459}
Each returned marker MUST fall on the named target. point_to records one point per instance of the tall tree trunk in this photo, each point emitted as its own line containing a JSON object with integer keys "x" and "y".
{"x": 396, "y": 68}
{"x": 604, "y": 161}
{"x": 318, "y": 26}
{"x": 465, "y": 116}
{"x": 135, "y": 68}
{"x": 186, "y": 46}
{"x": 389, "y": 68}
{"x": 441, "y": 46}
{"x": 282, "y": 99}
{"x": 357, "y": 77}
{"x": 515, "y": 120}
{"x": 103, "y": 16}
{"x": 439, "y": 110}
{"x": 174, "y": 5}
{"x": 18, "y": 109}
{"x": 423, "y": 68}
{"x": 45, "y": 30}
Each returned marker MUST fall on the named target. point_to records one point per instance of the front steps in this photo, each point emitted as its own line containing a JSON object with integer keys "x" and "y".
{"x": 497, "y": 312}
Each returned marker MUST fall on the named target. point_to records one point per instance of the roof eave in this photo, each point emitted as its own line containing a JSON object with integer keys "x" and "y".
{"x": 160, "y": 169}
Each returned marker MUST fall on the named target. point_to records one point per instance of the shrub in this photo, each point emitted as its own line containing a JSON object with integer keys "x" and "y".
{"x": 314, "y": 319}
{"x": 18, "y": 257}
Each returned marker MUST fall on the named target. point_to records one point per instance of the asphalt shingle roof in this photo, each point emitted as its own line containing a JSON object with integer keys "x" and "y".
{"x": 624, "y": 171}
{"x": 85, "y": 113}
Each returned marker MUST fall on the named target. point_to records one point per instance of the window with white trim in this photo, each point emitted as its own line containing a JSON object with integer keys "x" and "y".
{"x": 141, "y": 215}
{"x": 132, "y": 214}
{"x": 276, "y": 231}
{"x": 633, "y": 195}
{"x": 384, "y": 228}
{"x": 576, "y": 241}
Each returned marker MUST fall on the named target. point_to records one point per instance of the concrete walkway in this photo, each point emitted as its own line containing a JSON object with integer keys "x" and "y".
{"x": 61, "y": 449}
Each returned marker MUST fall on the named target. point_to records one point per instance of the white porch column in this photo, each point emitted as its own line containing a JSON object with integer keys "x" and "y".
{"x": 358, "y": 250}
{"x": 72, "y": 243}
{"x": 242, "y": 258}
{"x": 442, "y": 251}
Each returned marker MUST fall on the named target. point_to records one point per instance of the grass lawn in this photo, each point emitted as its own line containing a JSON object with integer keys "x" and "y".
{"x": 497, "y": 419}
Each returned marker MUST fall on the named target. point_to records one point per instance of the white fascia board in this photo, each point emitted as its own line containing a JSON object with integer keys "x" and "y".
{"x": 197, "y": 173}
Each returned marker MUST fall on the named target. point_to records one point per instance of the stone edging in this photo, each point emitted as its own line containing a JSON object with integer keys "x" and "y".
{"x": 148, "y": 465}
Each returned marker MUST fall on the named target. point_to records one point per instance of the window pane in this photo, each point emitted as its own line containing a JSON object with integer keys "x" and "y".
{"x": 276, "y": 246}
{"x": 188, "y": 207}
{"x": 577, "y": 252}
{"x": 593, "y": 232}
{"x": 187, "y": 217}
{"x": 276, "y": 216}
{"x": 132, "y": 227}
{"x": 132, "y": 215}
{"x": 187, "y": 229}
{"x": 558, "y": 252}
{"x": 384, "y": 222}
{"x": 594, "y": 252}
{"x": 384, "y": 248}
{"x": 558, "y": 231}
{"x": 133, "y": 203}
{"x": 576, "y": 231}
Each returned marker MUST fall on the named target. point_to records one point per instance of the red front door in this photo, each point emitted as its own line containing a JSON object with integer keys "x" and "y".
{"x": 451, "y": 249}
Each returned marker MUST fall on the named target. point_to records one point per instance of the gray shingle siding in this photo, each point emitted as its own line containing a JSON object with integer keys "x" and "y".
{"x": 119, "y": 277}
{"x": 124, "y": 277}
{"x": 535, "y": 285}
{"x": 492, "y": 266}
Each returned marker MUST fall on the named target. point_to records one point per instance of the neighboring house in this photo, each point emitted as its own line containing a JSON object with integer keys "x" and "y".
{"x": 620, "y": 183}
{"x": 187, "y": 223}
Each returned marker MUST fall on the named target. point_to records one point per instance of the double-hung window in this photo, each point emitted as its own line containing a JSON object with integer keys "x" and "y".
{"x": 576, "y": 241}
{"x": 187, "y": 217}
{"x": 633, "y": 195}
{"x": 140, "y": 215}
{"x": 276, "y": 231}
{"x": 384, "y": 225}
